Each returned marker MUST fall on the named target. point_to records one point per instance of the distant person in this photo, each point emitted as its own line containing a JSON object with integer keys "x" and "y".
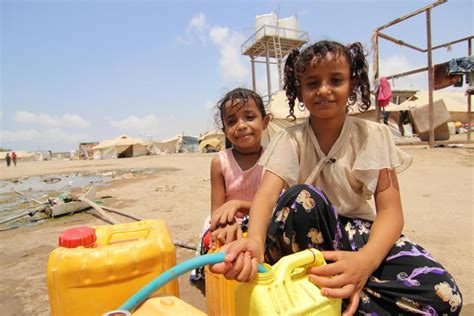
{"x": 8, "y": 159}
{"x": 13, "y": 155}
{"x": 330, "y": 166}
{"x": 235, "y": 175}
{"x": 403, "y": 120}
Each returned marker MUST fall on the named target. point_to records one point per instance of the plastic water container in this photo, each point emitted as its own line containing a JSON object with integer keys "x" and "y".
{"x": 288, "y": 27}
{"x": 266, "y": 25}
{"x": 166, "y": 306}
{"x": 96, "y": 269}
{"x": 286, "y": 290}
{"x": 220, "y": 297}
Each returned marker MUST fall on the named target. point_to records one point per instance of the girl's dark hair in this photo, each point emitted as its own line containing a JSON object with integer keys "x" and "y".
{"x": 297, "y": 63}
{"x": 241, "y": 95}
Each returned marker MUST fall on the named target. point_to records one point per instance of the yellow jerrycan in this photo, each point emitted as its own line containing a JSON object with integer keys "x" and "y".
{"x": 166, "y": 305}
{"x": 95, "y": 269}
{"x": 286, "y": 290}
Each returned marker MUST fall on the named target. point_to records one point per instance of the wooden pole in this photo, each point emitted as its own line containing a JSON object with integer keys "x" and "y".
{"x": 376, "y": 74}
{"x": 428, "y": 7}
{"x": 469, "y": 96}
{"x": 400, "y": 42}
{"x": 430, "y": 77}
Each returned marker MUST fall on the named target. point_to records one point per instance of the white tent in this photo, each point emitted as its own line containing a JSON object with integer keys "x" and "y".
{"x": 176, "y": 144}
{"x": 120, "y": 147}
{"x": 167, "y": 146}
{"x": 279, "y": 110}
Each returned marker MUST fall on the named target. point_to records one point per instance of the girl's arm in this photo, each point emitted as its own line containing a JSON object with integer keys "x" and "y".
{"x": 222, "y": 212}
{"x": 217, "y": 184}
{"x": 389, "y": 221}
{"x": 262, "y": 206}
{"x": 241, "y": 258}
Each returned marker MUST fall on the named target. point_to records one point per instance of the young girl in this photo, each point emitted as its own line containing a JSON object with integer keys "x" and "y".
{"x": 370, "y": 264}
{"x": 235, "y": 175}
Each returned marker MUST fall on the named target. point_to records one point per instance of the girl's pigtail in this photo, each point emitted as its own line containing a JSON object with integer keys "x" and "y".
{"x": 291, "y": 83}
{"x": 360, "y": 74}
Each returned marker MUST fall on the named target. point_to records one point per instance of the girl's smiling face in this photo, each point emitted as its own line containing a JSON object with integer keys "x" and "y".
{"x": 243, "y": 124}
{"x": 325, "y": 87}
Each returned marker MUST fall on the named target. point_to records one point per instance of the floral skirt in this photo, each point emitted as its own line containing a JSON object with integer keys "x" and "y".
{"x": 408, "y": 281}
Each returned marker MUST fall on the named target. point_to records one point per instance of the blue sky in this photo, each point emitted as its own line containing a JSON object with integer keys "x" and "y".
{"x": 78, "y": 71}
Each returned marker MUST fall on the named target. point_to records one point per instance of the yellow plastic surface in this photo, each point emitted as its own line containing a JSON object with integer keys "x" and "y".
{"x": 91, "y": 281}
{"x": 166, "y": 305}
{"x": 286, "y": 290}
{"x": 220, "y": 297}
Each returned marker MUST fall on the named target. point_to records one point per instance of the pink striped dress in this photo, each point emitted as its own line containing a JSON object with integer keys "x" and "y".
{"x": 239, "y": 185}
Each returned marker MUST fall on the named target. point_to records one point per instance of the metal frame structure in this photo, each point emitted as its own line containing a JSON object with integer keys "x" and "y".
{"x": 377, "y": 33}
{"x": 267, "y": 46}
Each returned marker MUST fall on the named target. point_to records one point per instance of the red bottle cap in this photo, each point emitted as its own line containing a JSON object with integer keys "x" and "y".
{"x": 79, "y": 236}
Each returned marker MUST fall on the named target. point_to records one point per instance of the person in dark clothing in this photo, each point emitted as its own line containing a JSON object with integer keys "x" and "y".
{"x": 404, "y": 119}
{"x": 8, "y": 159}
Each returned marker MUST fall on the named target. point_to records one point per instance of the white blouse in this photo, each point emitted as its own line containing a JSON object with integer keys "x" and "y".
{"x": 348, "y": 175}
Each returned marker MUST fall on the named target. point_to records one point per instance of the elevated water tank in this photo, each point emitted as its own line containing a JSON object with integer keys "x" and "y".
{"x": 288, "y": 27}
{"x": 270, "y": 21}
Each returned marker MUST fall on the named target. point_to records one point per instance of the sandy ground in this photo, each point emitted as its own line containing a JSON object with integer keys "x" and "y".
{"x": 437, "y": 194}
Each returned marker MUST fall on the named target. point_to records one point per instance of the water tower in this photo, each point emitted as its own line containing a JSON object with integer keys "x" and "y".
{"x": 273, "y": 39}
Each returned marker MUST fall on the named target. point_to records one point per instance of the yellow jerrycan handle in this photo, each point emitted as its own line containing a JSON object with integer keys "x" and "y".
{"x": 130, "y": 234}
{"x": 303, "y": 259}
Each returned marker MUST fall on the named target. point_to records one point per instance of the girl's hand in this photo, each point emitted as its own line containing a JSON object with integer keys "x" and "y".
{"x": 239, "y": 263}
{"x": 226, "y": 234}
{"x": 224, "y": 214}
{"x": 345, "y": 277}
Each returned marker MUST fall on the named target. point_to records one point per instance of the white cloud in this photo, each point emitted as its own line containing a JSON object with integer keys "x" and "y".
{"x": 218, "y": 34}
{"x": 199, "y": 27}
{"x": 147, "y": 124}
{"x": 42, "y": 137}
{"x": 231, "y": 66}
{"x": 46, "y": 120}
{"x": 198, "y": 22}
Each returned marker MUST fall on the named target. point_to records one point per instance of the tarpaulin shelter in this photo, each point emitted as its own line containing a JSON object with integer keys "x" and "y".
{"x": 455, "y": 103}
{"x": 120, "y": 147}
{"x": 212, "y": 141}
{"x": 176, "y": 144}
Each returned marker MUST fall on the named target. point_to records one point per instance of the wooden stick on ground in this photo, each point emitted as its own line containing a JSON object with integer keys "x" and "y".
{"x": 114, "y": 210}
{"x": 99, "y": 210}
{"x": 29, "y": 198}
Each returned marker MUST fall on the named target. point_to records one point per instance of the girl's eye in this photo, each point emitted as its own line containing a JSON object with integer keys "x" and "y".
{"x": 230, "y": 121}
{"x": 312, "y": 84}
{"x": 250, "y": 117}
{"x": 336, "y": 81}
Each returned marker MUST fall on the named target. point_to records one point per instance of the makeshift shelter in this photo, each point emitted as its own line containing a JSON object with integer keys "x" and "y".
{"x": 176, "y": 144}
{"x": 85, "y": 150}
{"x": 120, "y": 147}
{"x": 212, "y": 141}
{"x": 279, "y": 110}
{"x": 455, "y": 103}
